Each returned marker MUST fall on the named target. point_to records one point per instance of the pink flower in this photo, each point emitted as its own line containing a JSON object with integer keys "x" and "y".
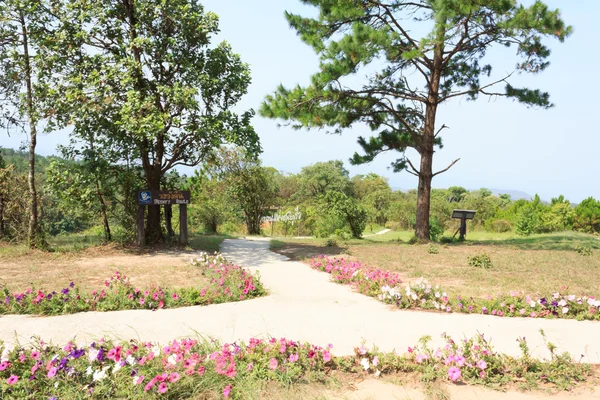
{"x": 162, "y": 388}
{"x": 326, "y": 356}
{"x": 139, "y": 380}
{"x": 35, "y": 355}
{"x": 273, "y": 364}
{"x": 522, "y": 311}
{"x": 454, "y": 374}
{"x": 52, "y": 372}
{"x": 481, "y": 364}
{"x": 175, "y": 297}
{"x": 226, "y": 391}
{"x": 3, "y": 365}
{"x": 174, "y": 377}
{"x": 12, "y": 380}
{"x": 482, "y": 374}
{"x": 421, "y": 358}
{"x": 250, "y": 366}
{"x": 375, "y": 361}
{"x": 294, "y": 357}
{"x": 201, "y": 370}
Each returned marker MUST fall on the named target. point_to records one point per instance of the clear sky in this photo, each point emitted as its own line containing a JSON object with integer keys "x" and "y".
{"x": 502, "y": 144}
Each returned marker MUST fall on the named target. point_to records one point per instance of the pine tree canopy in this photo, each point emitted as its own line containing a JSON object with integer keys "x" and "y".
{"x": 408, "y": 76}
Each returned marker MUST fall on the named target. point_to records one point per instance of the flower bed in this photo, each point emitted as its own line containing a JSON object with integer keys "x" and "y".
{"x": 387, "y": 287}
{"x": 188, "y": 368}
{"x": 227, "y": 282}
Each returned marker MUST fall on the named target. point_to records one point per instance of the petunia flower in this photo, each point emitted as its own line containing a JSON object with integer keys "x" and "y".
{"x": 454, "y": 374}
{"x": 12, "y": 379}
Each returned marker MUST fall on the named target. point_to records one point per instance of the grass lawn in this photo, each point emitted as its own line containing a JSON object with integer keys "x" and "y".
{"x": 538, "y": 264}
{"x": 87, "y": 262}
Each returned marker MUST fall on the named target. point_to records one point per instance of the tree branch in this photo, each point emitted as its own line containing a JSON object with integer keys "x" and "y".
{"x": 416, "y": 171}
{"x": 446, "y": 169}
{"x": 480, "y": 89}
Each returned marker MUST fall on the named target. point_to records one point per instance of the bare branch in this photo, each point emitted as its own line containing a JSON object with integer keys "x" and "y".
{"x": 480, "y": 89}
{"x": 416, "y": 171}
{"x": 444, "y": 126}
{"x": 446, "y": 169}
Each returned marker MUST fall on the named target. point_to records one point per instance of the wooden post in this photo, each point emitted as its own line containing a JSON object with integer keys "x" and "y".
{"x": 141, "y": 233}
{"x": 169, "y": 220}
{"x": 463, "y": 228}
{"x": 183, "y": 228}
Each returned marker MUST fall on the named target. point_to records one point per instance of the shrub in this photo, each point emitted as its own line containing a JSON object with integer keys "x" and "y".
{"x": 501, "y": 226}
{"x": 446, "y": 240}
{"x": 331, "y": 243}
{"x": 435, "y": 229}
{"x": 583, "y": 250}
{"x": 481, "y": 260}
{"x": 587, "y": 216}
{"x": 433, "y": 249}
{"x": 413, "y": 240}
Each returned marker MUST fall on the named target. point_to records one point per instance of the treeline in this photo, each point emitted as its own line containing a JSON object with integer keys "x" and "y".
{"x": 232, "y": 193}
{"x": 333, "y": 203}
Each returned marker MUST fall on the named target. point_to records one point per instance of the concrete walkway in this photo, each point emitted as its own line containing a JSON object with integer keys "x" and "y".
{"x": 303, "y": 305}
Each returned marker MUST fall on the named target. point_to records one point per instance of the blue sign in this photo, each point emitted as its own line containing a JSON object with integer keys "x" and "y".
{"x": 145, "y": 197}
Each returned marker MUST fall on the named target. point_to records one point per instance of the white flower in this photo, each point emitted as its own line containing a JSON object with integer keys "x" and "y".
{"x": 532, "y": 304}
{"x": 89, "y": 370}
{"x": 6, "y": 352}
{"x": 565, "y": 310}
{"x": 571, "y": 297}
{"x": 377, "y": 373}
{"x": 116, "y": 367}
{"x": 99, "y": 375}
{"x": 56, "y": 384}
{"x": 414, "y": 296}
{"x": 172, "y": 359}
{"x": 365, "y": 363}
{"x": 156, "y": 350}
{"x": 130, "y": 360}
{"x": 437, "y": 294}
{"x": 92, "y": 354}
{"x": 562, "y": 303}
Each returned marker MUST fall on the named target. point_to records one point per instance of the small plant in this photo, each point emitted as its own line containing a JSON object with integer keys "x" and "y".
{"x": 583, "y": 250}
{"x": 433, "y": 249}
{"x": 481, "y": 260}
{"x": 413, "y": 240}
{"x": 331, "y": 243}
{"x": 446, "y": 240}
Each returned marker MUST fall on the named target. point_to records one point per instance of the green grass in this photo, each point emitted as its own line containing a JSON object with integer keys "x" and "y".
{"x": 538, "y": 264}
{"x": 207, "y": 243}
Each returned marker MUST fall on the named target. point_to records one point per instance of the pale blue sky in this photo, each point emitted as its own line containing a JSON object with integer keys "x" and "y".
{"x": 501, "y": 144}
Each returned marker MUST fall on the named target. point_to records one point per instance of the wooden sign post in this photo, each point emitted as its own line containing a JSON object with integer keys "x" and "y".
{"x": 163, "y": 198}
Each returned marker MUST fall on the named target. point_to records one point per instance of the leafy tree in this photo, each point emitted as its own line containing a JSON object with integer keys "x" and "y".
{"x": 409, "y": 78}
{"x": 322, "y": 177}
{"x": 249, "y": 185}
{"x": 26, "y": 63}
{"x": 348, "y": 209}
{"x": 145, "y": 77}
{"x": 210, "y": 205}
{"x": 456, "y": 194}
{"x": 587, "y": 216}
{"x": 529, "y": 217}
{"x": 363, "y": 185}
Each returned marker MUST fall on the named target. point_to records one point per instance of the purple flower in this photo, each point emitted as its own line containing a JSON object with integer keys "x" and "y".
{"x": 65, "y": 291}
{"x": 49, "y": 296}
{"x": 72, "y": 284}
{"x": 543, "y": 301}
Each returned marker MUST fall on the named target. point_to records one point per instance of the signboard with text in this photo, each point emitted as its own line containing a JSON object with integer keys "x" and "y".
{"x": 163, "y": 197}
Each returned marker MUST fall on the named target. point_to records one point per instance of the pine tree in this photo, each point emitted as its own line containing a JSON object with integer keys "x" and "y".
{"x": 414, "y": 76}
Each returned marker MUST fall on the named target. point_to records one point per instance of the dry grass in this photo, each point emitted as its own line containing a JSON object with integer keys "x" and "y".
{"x": 538, "y": 265}
{"x": 89, "y": 267}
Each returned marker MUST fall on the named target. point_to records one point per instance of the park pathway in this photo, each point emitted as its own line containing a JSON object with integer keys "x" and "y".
{"x": 304, "y": 305}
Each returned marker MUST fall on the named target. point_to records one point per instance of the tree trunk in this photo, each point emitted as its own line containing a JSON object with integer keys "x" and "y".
{"x": 253, "y": 224}
{"x": 169, "y": 221}
{"x": 107, "y": 234}
{"x": 154, "y": 233}
{"x": 34, "y": 236}
{"x": 424, "y": 196}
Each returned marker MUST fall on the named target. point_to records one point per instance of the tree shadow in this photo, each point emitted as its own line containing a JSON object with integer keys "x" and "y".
{"x": 550, "y": 242}
{"x": 302, "y": 251}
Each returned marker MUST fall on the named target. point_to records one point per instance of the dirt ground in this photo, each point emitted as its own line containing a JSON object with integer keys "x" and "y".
{"x": 90, "y": 268}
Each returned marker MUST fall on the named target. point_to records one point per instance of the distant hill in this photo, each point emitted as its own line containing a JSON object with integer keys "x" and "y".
{"x": 514, "y": 194}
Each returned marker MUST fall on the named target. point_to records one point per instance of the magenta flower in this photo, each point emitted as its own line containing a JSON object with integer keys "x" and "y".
{"x": 52, "y": 372}
{"x": 3, "y": 365}
{"x": 226, "y": 391}
{"x": 12, "y": 380}
{"x": 174, "y": 377}
{"x": 35, "y": 355}
{"x": 326, "y": 356}
{"x": 273, "y": 364}
{"x": 454, "y": 374}
{"x": 162, "y": 388}
{"x": 481, "y": 364}
{"x": 250, "y": 366}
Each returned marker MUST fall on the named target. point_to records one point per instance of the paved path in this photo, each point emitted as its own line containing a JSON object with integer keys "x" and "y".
{"x": 382, "y": 232}
{"x": 304, "y": 305}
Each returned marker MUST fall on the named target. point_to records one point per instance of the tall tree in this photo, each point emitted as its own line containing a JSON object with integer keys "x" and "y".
{"x": 145, "y": 77}
{"x": 414, "y": 75}
{"x": 25, "y": 65}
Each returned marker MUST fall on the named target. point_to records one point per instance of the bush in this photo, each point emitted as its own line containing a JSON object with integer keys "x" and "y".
{"x": 413, "y": 240}
{"x": 587, "y": 216}
{"x": 481, "y": 260}
{"x": 446, "y": 240}
{"x": 433, "y": 249}
{"x": 501, "y": 226}
{"x": 435, "y": 229}
{"x": 331, "y": 243}
{"x": 583, "y": 250}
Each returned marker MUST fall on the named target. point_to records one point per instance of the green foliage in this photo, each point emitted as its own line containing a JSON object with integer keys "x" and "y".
{"x": 322, "y": 177}
{"x": 331, "y": 243}
{"x": 433, "y": 249}
{"x": 435, "y": 229}
{"x": 583, "y": 250}
{"x": 528, "y": 219}
{"x": 481, "y": 260}
{"x": 587, "y": 216}
{"x": 348, "y": 209}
